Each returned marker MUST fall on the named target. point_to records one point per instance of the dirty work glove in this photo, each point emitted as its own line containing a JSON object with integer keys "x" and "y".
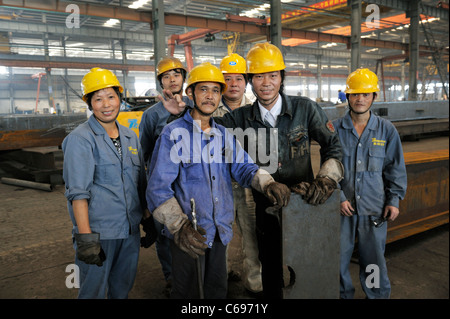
{"x": 190, "y": 240}
{"x": 320, "y": 190}
{"x": 148, "y": 226}
{"x": 279, "y": 194}
{"x": 300, "y": 188}
{"x": 89, "y": 249}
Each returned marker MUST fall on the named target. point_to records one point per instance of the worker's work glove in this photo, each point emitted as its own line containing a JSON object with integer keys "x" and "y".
{"x": 191, "y": 241}
{"x": 300, "y": 188}
{"x": 330, "y": 174}
{"x": 89, "y": 249}
{"x": 320, "y": 190}
{"x": 148, "y": 226}
{"x": 279, "y": 194}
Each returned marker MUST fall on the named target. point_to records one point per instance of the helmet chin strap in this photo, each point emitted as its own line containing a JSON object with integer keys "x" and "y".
{"x": 360, "y": 113}
{"x": 198, "y": 109}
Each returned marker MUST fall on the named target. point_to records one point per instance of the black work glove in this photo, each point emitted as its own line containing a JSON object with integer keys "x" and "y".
{"x": 320, "y": 190}
{"x": 148, "y": 226}
{"x": 190, "y": 240}
{"x": 89, "y": 249}
{"x": 279, "y": 194}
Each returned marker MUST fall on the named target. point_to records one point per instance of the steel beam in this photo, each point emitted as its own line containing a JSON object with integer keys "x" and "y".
{"x": 404, "y": 5}
{"x": 355, "y": 40}
{"x": 159, "y": 27}
{"x": 413, "y": 14}
{"x": 232, "y": 25}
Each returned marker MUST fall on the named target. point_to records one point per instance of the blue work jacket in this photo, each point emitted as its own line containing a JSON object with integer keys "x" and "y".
{"x": 113, "y": 187}
{"x": 189, "y": 163}
{"x": 375, "y": 172}
{"x": 152, "y": 122}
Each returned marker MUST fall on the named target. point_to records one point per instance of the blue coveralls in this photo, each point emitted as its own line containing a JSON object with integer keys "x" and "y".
{"x": 375, "y": 176}
{"x": 115, "y": 190}
{"x": 189, "y": 163}
{"x": 152, "y": 122}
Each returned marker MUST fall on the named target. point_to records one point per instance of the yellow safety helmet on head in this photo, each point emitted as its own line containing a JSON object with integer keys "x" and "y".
{"x": 206, "y": 72}
{"x": 362, "y": 81}
{"x": 97, "y": 79}
{"x": 168, "y": 63}
{"x": 233, "y": 63}
{"x": 263, "y": 58}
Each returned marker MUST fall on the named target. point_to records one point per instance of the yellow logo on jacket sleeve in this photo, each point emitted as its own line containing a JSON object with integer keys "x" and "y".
{"x": 378, "y": 142}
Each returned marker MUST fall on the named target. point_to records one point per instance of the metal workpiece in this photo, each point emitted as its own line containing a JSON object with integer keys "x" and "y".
{"x": 311, "y": 236}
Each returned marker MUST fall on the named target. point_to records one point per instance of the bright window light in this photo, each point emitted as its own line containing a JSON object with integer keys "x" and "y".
{"x": 111, "y": 22}
{"x": 138, "y": 4}
{"x": 3, "y": 70}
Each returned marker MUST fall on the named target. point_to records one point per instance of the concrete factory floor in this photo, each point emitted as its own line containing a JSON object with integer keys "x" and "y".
{"x": 36, "y": 247}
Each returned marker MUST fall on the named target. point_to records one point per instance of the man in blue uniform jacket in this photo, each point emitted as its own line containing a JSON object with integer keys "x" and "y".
{"x": 195, "y": 158}
{"x": 374, "y": 183}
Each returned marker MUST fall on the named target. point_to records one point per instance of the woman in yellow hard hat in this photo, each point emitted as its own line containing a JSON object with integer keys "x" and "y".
{"x": 374, "y": 182}
{"x": 194, "y": 162}
{"x": 105, "y": 188}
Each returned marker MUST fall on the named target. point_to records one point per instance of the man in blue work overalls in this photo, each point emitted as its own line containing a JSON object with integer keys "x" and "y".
{"x": 195, "y": 158}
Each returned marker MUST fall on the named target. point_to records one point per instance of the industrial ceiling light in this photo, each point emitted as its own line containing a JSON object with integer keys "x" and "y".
{"x": 111, "y": 22}
{"x": 138, "y": 4}
{"x": 209, "y": 37}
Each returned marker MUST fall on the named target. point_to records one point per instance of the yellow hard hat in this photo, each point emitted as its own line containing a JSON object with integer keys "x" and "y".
{"x": 206, "y": 72}
{"x": 168, "y": 63}
{"x": 233, "y": 63}
{"x": 263, "y": 58}
{"x": 362, "y": 81}
{"x": 97, "y": 79}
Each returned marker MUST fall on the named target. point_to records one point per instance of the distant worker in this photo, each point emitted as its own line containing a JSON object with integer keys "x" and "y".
{"x": 105, "y": 188}
{"x": 341, "y": 97}
{"x": 234, "y": 69}
{"x": 171, "y": 75}
{"x": 374, "y": 183}
{"x": 194, "y": 158}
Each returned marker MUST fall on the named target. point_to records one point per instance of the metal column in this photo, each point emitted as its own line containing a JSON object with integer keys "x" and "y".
{"x": 355, "y": 39}
{"x": 159, "y": 33}
{"x": 413, "y": 14}
{"x": 319, "y": 78}
{"x": 275, "y": 23}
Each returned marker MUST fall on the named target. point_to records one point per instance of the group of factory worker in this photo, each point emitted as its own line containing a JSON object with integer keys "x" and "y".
{"x": 188, "y": 177}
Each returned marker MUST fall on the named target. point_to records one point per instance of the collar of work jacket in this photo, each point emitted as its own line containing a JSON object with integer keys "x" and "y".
{"x": 286, "y": 109}
{"x": 196, "y": 124}
{"x": 98, "y": 129}
{"x": 347, "y": 123}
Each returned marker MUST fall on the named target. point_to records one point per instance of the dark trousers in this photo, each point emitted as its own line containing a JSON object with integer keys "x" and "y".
{"x": 213, "y": 268}
{"x": 268, "y": 234}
